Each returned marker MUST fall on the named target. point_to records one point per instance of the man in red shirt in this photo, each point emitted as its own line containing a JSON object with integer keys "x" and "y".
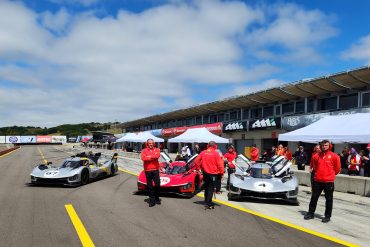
{"x": 230, "y": 156}
{"x": 150, "y": 156}
{"x": 255, "y": 152}
{"x": 326, "y": 165}
{"x": 211, "y": 164}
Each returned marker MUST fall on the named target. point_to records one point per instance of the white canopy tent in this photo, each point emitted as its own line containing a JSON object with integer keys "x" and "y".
{"x": 353, "y": 128}
{"x": 199, "y": 135}
{"x": 139, "y": 137}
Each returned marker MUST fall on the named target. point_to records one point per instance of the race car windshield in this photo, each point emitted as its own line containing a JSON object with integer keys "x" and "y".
{"x": 260, "y": 172}
{"x": 175, "y": 170}
{"x": 71, "y": 164}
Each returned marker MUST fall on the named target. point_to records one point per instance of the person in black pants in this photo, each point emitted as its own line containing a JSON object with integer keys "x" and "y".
{"x": 301, "y": 158}
{"x": 153, "y": 191}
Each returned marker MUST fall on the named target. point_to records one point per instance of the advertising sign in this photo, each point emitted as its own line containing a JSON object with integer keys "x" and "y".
{"x": 234, "y": 126}
{"x": 43, "y": 139}
{"x": 215, "y": 128}
{"x": 28, "y": 139}
{"x": 58, "y": 139}
{"x": 72, "y": 139}
{"x": 2, "y": 139}
{"x": 297, "y": 122}
{"x": 265, "y": 123}
{"x": 13, "y": 139}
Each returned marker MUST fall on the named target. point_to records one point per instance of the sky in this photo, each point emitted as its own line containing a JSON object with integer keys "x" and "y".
{"x": 75, "y": 61}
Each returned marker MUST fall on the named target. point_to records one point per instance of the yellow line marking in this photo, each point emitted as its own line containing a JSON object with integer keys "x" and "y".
{"x": 318, "y": 234}
{"x": 42, "y": 155}
{"x": 9, "y": 152}
{"x": 80, "y": 229}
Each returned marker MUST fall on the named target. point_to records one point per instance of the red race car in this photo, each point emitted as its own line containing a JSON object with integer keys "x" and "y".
{"x": 177, "y": 177}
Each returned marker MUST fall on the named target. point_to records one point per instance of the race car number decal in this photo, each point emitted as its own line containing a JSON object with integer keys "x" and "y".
{"x": 165, "y": 180}
{"x": 263, "y": 186}
{"x": 51, "y": 174}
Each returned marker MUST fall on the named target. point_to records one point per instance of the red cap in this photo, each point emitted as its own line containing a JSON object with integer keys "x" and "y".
{"x": 368, "y": 145}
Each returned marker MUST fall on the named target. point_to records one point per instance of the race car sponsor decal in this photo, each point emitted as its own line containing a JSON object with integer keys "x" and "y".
{"x": 165, "y": 180}
{"x": 50, "y": 174}
{"x": 262, "y": 186}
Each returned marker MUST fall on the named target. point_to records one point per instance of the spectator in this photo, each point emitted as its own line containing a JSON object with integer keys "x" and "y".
{"x": 185, "y": 152}
{"x": 211, "y": 164}
{"x": 272, "y": 152}
{"x": 363, "y": 160}
{"x": 230, "y": 157}
{"x": 288, "y": 154}
{"x": 326, "y": 165}
{"x": 161, "y": 146}
{"x": 301, "y": 158}
{"x": 280, "y": 150}
{"x": 265, "y": 156}
{"x": 316, "y": 152}
{"x": 354, "y": 161}
{"x": 254, "y": 153}
{"x": 150, "y": 156}
{"x": 344, "y": 160}
{"x": 197, "y": 149}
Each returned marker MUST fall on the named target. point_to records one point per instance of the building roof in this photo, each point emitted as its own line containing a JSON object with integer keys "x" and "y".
{"x": 352, "y": 79}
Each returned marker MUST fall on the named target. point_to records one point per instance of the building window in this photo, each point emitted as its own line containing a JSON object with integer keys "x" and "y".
{"x": 227, "y": 116}
{"x": 256, "y": 113}
{"x": 310, "y": 105}
{"x": 233, "y": 115}
{"x": 299, "y": 107}
{"x": 179, "y": 123}
{"x": 268, "y": 111}
{"x": 245, "y": 113}
{"x": 348, "y": 101}
{"x": 212, "y": 118}
{"x": 198, "y": 120}
{"x": 288, "y": 107}
{"x": 278, "y": 110}
{"x": 366, "y": 99}
{"x": 221, "y": 117}
{"x": 327, "y": 104}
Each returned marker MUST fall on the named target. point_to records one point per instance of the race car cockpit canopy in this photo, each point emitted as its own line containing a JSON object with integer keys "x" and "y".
{"x": 280, "y": 165}
{"x": 242, "y": 163}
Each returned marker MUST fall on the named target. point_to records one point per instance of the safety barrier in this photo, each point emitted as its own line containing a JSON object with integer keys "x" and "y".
{"x": 8, "y": 150}
{"x": 343, "y": 183}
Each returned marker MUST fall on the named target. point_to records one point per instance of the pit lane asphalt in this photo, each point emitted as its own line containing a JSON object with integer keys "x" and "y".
{"x": 114, "y": 216}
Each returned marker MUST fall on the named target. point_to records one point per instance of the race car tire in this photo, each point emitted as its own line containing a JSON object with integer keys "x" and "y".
{"x": 112, "y": 170}
{"x": 84, "y": 177}
{"x": 231, "y": 197}
{"x": 294, "y": 202}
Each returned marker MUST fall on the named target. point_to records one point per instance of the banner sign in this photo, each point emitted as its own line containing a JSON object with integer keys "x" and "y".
{"x": 297, "y": 122}
{"x": 72, "y": 139}
{"x": 215, "y": 128}
{"x": 43, "y": 139}
{"x": 265, "y": 123}
{"x": 58, "y": 139}
{"x": 235, "y": 126}
{"x": 28, "y": 139}
{"x": 13, "y": 139}
{"x": 2, "y": 139}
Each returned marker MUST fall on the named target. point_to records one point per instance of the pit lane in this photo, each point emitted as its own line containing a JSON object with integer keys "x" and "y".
{"x": 114, "y": 216}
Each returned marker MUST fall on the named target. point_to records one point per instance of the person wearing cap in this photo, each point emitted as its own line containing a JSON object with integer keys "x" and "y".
{"x": 326, "y": 166}
{"x": 354, "y": 162}
{"x": 150, "y": 156}
{"x": 211, "y": 165}
{"x": 254, "y": 153}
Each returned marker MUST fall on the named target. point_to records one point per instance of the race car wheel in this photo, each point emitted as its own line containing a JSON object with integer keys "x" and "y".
{"x": 112, "y": 170}
{"x": 84, "y": 177}
{"x": 231, "y": 197}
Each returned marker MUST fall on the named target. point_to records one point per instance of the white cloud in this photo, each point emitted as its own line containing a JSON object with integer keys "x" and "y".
{"x": 80, "y": 68}
{"x": 81, "y": 2}
{"x": 359, "y": 50}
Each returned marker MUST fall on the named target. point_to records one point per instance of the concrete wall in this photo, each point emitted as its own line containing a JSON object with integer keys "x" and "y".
{"x": 343, "y": 183}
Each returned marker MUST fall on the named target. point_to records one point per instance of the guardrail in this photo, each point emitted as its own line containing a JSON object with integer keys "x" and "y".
{"x": 8, "y": 150}
{"x": 343, "y": 183}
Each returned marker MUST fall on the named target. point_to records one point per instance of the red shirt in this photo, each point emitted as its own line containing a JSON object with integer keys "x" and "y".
{"x": 210, "y": 161}
{"x": 254, "y": 153}
{"x": 150, "y": 158}
{"x": 230, "y": 157}
{"x": 326, "y": 166}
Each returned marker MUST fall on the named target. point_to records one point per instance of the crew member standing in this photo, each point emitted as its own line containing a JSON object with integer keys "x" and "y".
{"x": 230, "y": 156}
{"x": 326, "y": 166}
{"x": 300, "y": 157}
{"x": 150, "y": 156}
{"x": 211, "y": 164}
{"x": 255, "y": 152}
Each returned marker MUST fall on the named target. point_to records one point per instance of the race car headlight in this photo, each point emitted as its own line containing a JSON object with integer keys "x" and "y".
{"x": 75, "y": 177}
{"x": 292, "y": 193}
{"x": 33, "y": 178}
{"x": 187, "y": 186}
{"x": 233, "y": 188}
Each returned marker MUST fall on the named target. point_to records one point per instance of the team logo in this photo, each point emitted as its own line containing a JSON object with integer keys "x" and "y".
{"x": 293, "y": 121}
{"x": 13, "y": 139}
{"x": 268, "y": 122}
{"x": 165, "y": 180}
{"x": 234, "y": 126}
{"x": 262, "y": 186}
{"x": 51, "y": 174}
